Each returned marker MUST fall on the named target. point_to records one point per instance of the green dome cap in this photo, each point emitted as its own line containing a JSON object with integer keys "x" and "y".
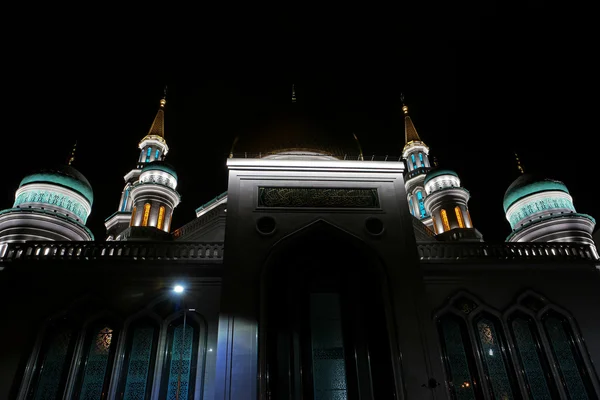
{"x": 160, "y": 166}
{"x": 65, "y": 176}
{"x": 528, "y": 184}
{"x": 438, "y": 172}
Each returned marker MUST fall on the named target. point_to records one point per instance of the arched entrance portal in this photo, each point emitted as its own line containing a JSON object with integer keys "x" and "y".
{"x": 323, "y": 325}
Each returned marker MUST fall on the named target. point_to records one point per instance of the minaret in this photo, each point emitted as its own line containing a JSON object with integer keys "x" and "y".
{"x": 153, "y": 149}
{"x": 416, "y": 156}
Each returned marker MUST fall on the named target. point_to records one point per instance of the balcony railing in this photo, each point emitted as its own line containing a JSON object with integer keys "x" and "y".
{"x": 132, "y": 250}
{"x": 518, "y": 252}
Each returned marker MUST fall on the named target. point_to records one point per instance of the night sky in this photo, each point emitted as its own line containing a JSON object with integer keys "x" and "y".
{"x": 479, "y": 86}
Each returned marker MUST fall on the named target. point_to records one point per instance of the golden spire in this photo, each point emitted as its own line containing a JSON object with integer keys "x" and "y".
{"x": 293, "y": 93}
{"x": 519, "y": 166}
{"x": 158, "y": 125}
{"x": 410, "y": 132}
{"x": 360, "y": 152}
{"x": 72, "y": 156}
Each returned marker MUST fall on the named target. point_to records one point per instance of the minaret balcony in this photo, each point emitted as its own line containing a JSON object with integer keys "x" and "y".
{"x": 417, "y": 172}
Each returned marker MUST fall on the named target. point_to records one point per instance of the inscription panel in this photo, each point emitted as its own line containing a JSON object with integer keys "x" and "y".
{"x": 317, "y": 197}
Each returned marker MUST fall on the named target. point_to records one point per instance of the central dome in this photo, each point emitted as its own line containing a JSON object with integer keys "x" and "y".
{"x": 293, "y": 131}
{"x": 63, "y": 175}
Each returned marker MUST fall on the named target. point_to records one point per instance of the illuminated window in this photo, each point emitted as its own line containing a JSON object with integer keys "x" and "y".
{"x": 434, "y": 225}
{"x": 459, "y": 217}
{"x": 125, "y": 197}
{"x": 445, "y": 220}
{"x": 148, "y": 154}
{"x": 410, "y": 203}
{"x": 132, "y": 216}
{"x": 421, "y": 159}
{"x": 161, "y": 217}
{"x": 157, "y": 154}
{"x": 414, "y": 161}
{"x": 94, "y": 376}
{"x": 421, "y": 204}
{"x": 146, "y": 214}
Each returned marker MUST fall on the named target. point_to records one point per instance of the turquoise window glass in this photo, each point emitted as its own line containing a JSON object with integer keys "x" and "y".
{"x": 97, "y": 365}
{"x": 181, "y": 372}
{"x": 125, "y": 198}
{"x": 140, "y": 363}
{"x": 458, "y": 360}
{"x": 414, "y": 161}
{"x": 412, "y": 211}
{"x": 148, "y": 154}
{"x": 575, "y": 378}
{"x": 329, "y": 366}
{"x": 53, "y": 365}
{"x": 531, "y": 357}
{"x": 421, "y": 201}
{"x": 421, "y": 160}
{"x": 491, "y": 342}
{"x": 157, "y": 154}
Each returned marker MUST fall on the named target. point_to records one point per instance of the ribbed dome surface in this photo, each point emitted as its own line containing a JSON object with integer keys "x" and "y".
{"x": 65, "y": 176}
{"x": 528, "y": 184}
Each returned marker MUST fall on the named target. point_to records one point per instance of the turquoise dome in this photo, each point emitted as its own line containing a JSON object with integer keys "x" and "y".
{"x": 160, "y": 166}
{"x": 438, "y": 172}
{"x": 528, "y": 184}
{"x": 65, "y": 176}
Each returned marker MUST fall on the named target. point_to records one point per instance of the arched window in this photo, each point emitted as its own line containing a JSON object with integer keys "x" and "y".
{"x": 421, "y": 201}
{"x": 157, "y": 154}
{"x": 575, "y": 377}
{"x": 52, "y": 366}
{"x": 125, "y": 198}
{"x": 96, "y": 365}
{"x": 179, "y": 372}
{"x": 161, "y": 217}
{"x": 495, "y": 361}
{"x": 459, "y": 217}
{"x": 435, "y": 230}
{"x": 461, "y": 369}
{"x": 468, "y": 218}
{"x": 132, "y": 216}
{"x": 532, "y": 358}
{"x": 139, "y": 360}
{"x": 445, "y": 220}
{"x": 148, "y": 154}
{"x": 146, "y": 214}
{"x": 421, "y": 159}
{"x": 414, "y": 161}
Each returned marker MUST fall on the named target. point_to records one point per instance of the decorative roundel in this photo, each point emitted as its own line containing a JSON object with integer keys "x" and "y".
{"x": 266, "y": 225}
{"x": 374, "y": 226}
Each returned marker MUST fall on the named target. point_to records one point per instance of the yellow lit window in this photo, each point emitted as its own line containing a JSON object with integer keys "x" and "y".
{"x": 161, "y": 217}
{"x": 146, "y": 214}
{"x": 434, "y": 224}
{"x": 445, "y": 220}
{"x": 459, "y": 217}
{"x": 132, "y": 216}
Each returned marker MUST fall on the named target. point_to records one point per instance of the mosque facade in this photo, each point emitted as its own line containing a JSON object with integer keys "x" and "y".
{"x": 311, "y": 277}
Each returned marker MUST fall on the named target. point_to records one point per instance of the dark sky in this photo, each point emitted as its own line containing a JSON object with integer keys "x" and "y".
{"x": 479, "y": 85}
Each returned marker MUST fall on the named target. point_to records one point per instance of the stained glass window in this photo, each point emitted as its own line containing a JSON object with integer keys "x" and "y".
{"x": 459, "y": 218}
{"x": 97, "y": 365}
{"x": 421, "y": 204}
{"x": 575, "y": 378}
{"x": 161, "y": 217}
{"x": 460, "y": 366}
{"x": 139, "y": 364}
{"x": 148, "y": 154}
{"x": 146, "y": 214}
{"x": 180, "y": 369}
{"x": 496, "y": 366}
{"x": 53, "y": 364}
{"x": 445, "y": 220}
{"x": 533, "y": 362}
